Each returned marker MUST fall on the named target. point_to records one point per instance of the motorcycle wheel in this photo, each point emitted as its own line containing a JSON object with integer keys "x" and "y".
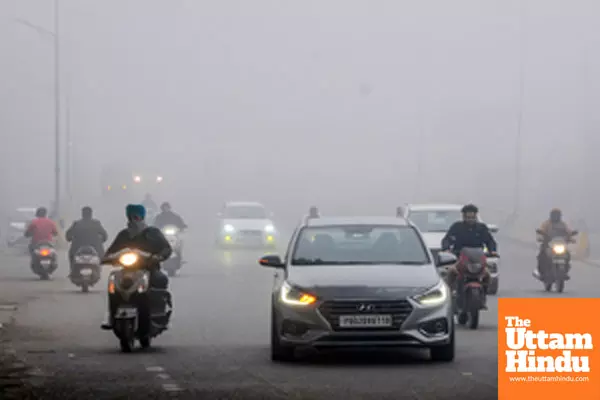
{"x": 474, "y": 319}
{"x": 127, "y": 339}
{"x": 145, "y": 342}
{"x": 548, "y": 286}
{"x": 463, "y": 317}
{"x": 560, "y": 285}
{"x": 84, "y": 287}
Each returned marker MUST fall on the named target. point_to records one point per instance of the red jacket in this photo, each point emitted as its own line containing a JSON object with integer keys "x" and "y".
{"x": 41, "y": 230}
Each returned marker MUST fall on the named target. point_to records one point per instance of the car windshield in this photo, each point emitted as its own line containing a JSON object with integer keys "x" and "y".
{"x": 245, "y": 212}
{"x": 435, "y": 220}
{"x": 359, "y": 244}
{"x": 22, "y": 215}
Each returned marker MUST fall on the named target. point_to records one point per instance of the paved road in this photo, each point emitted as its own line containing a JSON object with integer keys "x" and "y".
{"x": 218, "y": 346}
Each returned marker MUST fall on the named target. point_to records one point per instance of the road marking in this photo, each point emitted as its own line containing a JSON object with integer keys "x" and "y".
{"x": 467, "y": 373}
{"x": 170, "y": 385}
{"x": 155, "y": 369}
{"x": 163, "y": 376}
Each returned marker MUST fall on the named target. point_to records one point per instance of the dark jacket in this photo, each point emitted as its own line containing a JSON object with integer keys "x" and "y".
{"x": 150, "y": 240}
{"x": 87, "y": 232}
{"x": 461, "y": 235}
{"x": 169, "y": 218}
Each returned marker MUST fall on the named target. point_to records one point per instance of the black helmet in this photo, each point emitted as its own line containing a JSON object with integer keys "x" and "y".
{"x": 41, "y": 212}
{"x": 166, "y": 206}
{"x": 86, "y": 212}
{"x": 470, "y": 208}
{"x": 555, "y": 214}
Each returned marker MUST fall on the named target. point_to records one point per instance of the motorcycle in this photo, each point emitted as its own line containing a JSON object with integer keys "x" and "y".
{"x": 174, "y": 263}
{"x": 558, "y": 258}
{"x": 44, "y": 260}
{"x": 140, "y": 312}
{"x": 85, "y": 271}
{"x": 470, "y": 293}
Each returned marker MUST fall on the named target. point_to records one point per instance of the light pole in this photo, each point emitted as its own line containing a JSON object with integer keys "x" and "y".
{"x": 57, "y": 97}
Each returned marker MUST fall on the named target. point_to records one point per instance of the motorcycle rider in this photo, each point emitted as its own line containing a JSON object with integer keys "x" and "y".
{"x": 86, "y": 232}
{"x": 313, "y": 212}
{"x": 146, "y": 238}
{"x": 554, "y": 226}
{"x": 168, "y": 217}
{"x": 468, "y": 233}
{"x": 149, "y": 203}
{"x": 41, "y": 230}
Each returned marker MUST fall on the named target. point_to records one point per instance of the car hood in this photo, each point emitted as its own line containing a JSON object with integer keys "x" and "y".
{"x": 433, "y": 240}
{"x": 18, "y": 225}
{"x": 247, "y": 224}
{"x": 362, "y": 281}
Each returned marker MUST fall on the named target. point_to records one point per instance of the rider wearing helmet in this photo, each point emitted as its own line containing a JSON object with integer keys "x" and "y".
{"x": 469, "y": 232}
{"x": 146, "y": 238}
{"x": 552, "y": 227}
{"x": 313, "y": 212}
{"x": 41, "y": 230}
{"x": 168, "y": 217}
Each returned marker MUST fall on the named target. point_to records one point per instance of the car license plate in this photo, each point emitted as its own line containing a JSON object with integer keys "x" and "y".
{"x": 45, "y": 263}
{"x": 126, "y": 312}
{"x": 560, "y": 261}
{"x": 365, "y": 321}
{"x": 86, "y": 272}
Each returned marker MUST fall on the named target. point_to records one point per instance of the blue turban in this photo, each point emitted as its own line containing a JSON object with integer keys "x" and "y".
{"x": 133, "y": 210}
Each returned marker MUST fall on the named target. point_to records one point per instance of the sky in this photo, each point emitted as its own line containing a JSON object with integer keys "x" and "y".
{"x": 351, "y": 105}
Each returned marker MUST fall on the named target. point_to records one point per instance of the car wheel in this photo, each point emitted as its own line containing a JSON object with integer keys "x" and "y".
{"x": 279, "y": 352}
{"x": 444, "y": 353}
{"x": 493, "y": 289}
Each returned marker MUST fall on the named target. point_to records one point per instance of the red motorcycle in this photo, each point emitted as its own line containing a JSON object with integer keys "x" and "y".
{"x": 470, "y": 293}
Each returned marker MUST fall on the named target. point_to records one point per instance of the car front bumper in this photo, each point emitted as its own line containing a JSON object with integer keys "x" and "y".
{"x": 308, "y": 327}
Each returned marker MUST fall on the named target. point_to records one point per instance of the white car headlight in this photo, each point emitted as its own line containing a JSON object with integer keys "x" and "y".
{"x": 269, "y": 229}
{"x": 434, "y": 296}
{"x": 228, "y": 228}
{"x": 292, "y": 296}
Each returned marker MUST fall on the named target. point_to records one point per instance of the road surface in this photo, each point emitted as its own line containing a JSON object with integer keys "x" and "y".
{"x": 218, "y": 347}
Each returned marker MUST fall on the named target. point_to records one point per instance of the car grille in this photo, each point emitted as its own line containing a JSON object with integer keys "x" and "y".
{"x": 398, "y": 309}
{"x": 252, "y": 233}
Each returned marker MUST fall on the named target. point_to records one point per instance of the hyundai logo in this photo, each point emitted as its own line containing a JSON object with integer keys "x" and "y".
{"x": 366, "y": 308}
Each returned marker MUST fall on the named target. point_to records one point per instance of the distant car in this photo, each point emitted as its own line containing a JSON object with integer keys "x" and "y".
{"x": 125, "y": 182}
{"x": 359, "y": 282}
{"x": 245, "y": 224}
{"x": 434, "y": 220}
{"x": 17, "y": 224}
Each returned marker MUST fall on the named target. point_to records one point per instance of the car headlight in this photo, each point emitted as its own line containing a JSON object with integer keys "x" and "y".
{"x": 434, "y": 296}
{"x": 293, "y": 296}
{"x": 128, "y": 259}
{"x": 228, "y": 228}
{"x": 559, "y": 249}
{"x": 269, "y": 229}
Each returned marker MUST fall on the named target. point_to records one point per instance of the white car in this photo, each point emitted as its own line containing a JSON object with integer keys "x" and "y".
{"x": 246, "y": 224}
{"x": 17, "y": 224}
{"x": 434, "y": 220}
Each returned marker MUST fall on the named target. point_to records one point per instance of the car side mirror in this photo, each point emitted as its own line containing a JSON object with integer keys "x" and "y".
{"x": 271, "y": 261}
{"x": 493, "y": 228}
{"x": 444, "y": 259}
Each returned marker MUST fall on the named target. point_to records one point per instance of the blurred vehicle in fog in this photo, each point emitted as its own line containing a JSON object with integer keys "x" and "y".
{"x": 17, "y": 224}
{"x": 129, "y": 184}
{"x": 434, "y": 220}
{"x": 245, "y": 224}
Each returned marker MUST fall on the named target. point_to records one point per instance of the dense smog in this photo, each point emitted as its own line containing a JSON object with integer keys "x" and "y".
{"x": 274, "y": 200}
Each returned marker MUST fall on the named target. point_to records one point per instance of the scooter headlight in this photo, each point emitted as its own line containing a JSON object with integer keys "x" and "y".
{"x": 559, "y": 249}
{"x": 128, "y": 259}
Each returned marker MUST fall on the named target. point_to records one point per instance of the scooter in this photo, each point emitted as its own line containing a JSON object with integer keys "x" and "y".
{"x": 44, "y": 260}
{"x": 85, "y": 271}
{"x": 174, "y": 263}
{"x": 558, "y": 257}
{"x": 470, "y": 293}
{"x": 140, "y": 312}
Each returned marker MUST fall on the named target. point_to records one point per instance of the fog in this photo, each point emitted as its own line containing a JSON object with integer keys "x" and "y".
{"x": 351, "y": 105}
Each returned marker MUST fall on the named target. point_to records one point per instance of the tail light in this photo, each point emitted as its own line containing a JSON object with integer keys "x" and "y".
{"x": 45, "y": 252}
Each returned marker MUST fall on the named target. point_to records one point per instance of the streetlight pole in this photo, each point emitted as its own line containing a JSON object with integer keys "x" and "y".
{"x": 57, "y": 97}
{"x": 520, "y": 112}
{"x": 57, "y": 108}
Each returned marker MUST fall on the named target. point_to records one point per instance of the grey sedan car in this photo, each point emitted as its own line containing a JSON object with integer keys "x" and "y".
{"x": 359, "y": 282}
